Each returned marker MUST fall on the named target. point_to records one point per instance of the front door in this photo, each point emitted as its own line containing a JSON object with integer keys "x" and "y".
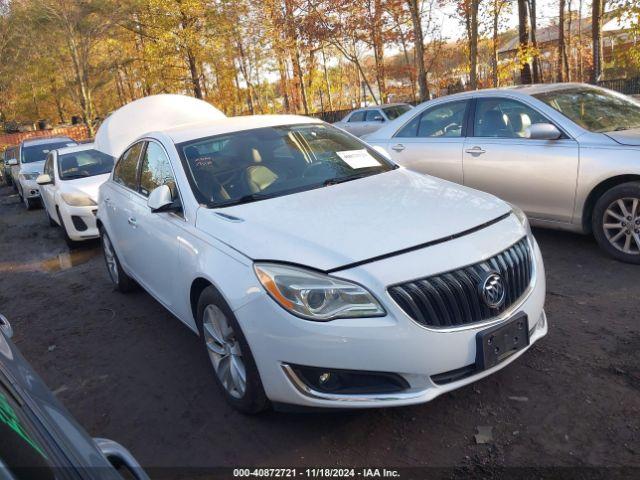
{"x": 539, "y": 176}
{"x": 432, "y": 141}
{"x": 48, "y": 192}
{"x": 155, "y": 256}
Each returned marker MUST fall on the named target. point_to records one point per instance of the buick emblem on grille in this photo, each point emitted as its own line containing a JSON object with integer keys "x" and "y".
{"x": 492, "y": 290}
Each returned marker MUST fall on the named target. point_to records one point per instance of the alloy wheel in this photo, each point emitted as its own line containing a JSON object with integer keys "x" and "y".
{"x": 224, "y": 351}
{"x": 621, "y": 225}
{"x": 110, "y": 258}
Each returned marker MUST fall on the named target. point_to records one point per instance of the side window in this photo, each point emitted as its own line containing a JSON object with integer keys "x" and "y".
{"x": 357, "y": 117}
{"x": 440, "y": 121}
{"x": 504, "y": 118}
{"x": 155, "y": 170}
{"x": 374, "y": 116}
{"x": 125, "y": 172}
{"x": 48, "y": 166}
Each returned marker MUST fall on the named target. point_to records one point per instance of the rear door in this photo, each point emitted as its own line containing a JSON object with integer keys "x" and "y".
{"x": 432, "y": 141}
{"x": 119, "y": 200}
{"x": 539, "y": 176}
{"x": 355, "y": 122}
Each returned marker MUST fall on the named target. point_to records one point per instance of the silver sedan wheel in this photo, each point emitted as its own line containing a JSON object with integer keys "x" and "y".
{"x": 110, "y": 258}
{"x": 224, "y": 351}
{"x": 621, "y": 224}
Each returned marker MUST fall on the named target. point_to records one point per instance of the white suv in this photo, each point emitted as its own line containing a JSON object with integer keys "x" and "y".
{"x": 316, "y": 271}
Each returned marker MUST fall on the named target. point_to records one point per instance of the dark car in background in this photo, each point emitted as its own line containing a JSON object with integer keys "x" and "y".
{"x": 39, "y": 439}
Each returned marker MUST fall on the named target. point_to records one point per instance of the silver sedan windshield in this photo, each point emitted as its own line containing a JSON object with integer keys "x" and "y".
{"x": 594, "y": 109}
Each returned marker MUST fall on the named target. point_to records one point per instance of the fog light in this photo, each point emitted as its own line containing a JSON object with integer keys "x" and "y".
{"x": 343, "y": 382}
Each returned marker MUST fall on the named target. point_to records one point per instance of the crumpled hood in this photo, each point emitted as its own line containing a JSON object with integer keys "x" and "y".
{"x": 89, "y": 186}
{"x": 629, "y": 137}
{"x": 330, "y": 227}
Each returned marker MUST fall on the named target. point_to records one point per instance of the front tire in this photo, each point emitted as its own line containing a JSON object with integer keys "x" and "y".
{"x": 29, "y": 203}
{"x": 67, "y": 239}
{"x": 234, "y": 368}
{"x": 120, "y": 280}
{"x": 616, "y": 222}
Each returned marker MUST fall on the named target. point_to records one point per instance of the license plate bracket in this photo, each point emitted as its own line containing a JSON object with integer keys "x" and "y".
{"x": 496, "y": 344}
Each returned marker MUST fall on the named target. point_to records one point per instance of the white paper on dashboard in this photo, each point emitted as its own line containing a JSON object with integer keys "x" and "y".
{"x": 358, "y": 159}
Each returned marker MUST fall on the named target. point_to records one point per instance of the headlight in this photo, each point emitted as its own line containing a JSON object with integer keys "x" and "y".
{"x": 30, "y": 176}
{"x": 77, "y": 200}
{"x": 316, "y": 296}
{"x": 522, "y": 217}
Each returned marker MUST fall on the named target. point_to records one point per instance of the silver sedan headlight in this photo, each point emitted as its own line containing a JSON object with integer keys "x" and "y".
{"x": 316, "y": 296}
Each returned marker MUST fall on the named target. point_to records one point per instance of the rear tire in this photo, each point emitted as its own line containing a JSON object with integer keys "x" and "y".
{"x": 616, "y": 222}
{"x": 234, "y": 368}
{"x": 120, "y": 280}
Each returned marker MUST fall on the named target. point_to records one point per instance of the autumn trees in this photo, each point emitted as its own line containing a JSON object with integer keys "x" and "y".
{"x": 64, "y": 58}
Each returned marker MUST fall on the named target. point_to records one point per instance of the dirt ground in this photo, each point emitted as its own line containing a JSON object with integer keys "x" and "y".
{"x": 127, "y": 370}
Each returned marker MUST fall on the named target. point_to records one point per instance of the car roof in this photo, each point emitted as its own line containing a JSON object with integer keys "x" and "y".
{"x": 376, "y": 107}
{"x": 76, "y": 148}
{"x": 209, "y": 128}
{"x": 44, "y": 141}
{"x": 524, "y": 90}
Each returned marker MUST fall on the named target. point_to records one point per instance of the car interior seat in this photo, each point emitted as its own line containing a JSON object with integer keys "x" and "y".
{"x": 519, "y": 121}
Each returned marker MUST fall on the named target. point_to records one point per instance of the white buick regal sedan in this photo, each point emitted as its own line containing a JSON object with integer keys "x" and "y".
{"x": 69, "y": 190}
{"x": 316, "y": 272}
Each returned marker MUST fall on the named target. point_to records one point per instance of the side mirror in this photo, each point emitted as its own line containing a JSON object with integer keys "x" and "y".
{"x": 5, "y": 326}
{"x": 543, "y": 131}
{"x": 12, "y": 161}
{"x": 44, "y": 179}
{"x": 160, "y": 199}
{"x": 120, "y": 458}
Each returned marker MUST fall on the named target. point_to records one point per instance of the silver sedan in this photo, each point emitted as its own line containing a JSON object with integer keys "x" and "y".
{"x": 567, "y": 154}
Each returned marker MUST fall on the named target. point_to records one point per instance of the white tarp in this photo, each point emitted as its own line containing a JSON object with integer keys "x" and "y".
{"x": 149, "y": 114}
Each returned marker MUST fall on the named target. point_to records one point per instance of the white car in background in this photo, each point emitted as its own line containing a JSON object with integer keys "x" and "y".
{"x": 29, "y": 164}
{"x": 69, "y": 189}
{"x": 315, "y": 270}
{"x": 369, "y": 119}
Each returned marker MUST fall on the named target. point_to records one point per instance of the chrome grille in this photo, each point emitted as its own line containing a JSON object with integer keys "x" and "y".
{"x": 454, "y": 298}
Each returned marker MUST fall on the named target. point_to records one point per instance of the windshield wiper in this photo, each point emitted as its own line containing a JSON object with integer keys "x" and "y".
{"x": 73, "y": 177}
{"x": 335, "y": 181}
{"x": 252, "y": 197}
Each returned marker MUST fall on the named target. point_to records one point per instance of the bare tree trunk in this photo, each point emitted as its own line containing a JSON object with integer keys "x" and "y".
{"x": 523, "y": 38}
{"x": 580, "y": 61}
{"x": 473, "y": 44}
{"x": 326, "y": 78}
{"x": 561, "y": 50}
{"x": 416, "y": 20}
{"x": 193, "y": 74}
{"x": 597, "y": 9}
{"x": 494, "y": 44}
{"x": 533, "y": 25}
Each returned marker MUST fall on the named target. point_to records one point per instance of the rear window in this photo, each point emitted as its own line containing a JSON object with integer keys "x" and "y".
{"x": 394, "y": 112}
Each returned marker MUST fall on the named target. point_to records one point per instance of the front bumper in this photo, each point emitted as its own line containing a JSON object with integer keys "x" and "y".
{"x": 29, "y": 188}
{"x": 395, "y": 343}
{"x": 80, "y": 222}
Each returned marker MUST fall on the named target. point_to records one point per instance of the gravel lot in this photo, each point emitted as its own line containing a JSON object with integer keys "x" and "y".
{"x": 127, "y": 370}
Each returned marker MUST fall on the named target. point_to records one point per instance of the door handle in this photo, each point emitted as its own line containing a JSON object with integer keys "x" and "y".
{"x": 475, "y": 151}
{"x": 133, "y": 222}
{"x": 398, "y": 147}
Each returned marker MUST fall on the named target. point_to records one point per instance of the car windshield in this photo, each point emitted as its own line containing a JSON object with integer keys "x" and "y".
{"x": 38, "y": 153}
{"x": 85, "y": 163}
{"x": 269, "y": 162}
{"x": 594, "y": 109}
{"x": 394, "y": 112}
